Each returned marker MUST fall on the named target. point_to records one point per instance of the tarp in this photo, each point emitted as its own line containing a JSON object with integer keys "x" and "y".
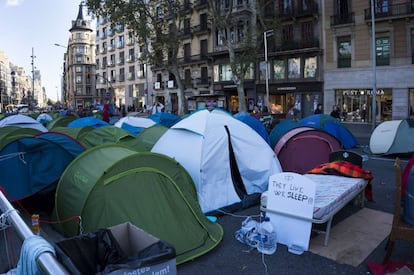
{"x": 304, "y": 148}
{"x": 23, "y": 121}
{"x": 32, "y": 164}
{"x": 393, "y": 137}
{"x": 227, "y": 160}
{"x": 112, "y": 184}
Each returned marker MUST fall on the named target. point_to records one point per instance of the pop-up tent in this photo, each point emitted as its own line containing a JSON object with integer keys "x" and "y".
{"x": 332, "y": 126}
{"x": 393, "y": 137}
{"x": 10, "y": 133}
{"x": 227, "y": 159}
{"x": 61, "y": 121}
{"x": 87, "y": 121}
{"x": 149, "y": 136}
{"x": 111, "y": 184}
{"x": 134, "y": 125}
{"x": 254, "y": 123}
{"x": 303, "y": 148}
{"x": 108, "y": 134}
{"x": 22, "y": 121}
{"x": 32, "y": 164}
{"x": 165, "y": 119}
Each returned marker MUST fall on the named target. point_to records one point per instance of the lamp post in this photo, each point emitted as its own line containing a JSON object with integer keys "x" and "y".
{"x": 374, "y": 65}
{"x": 266, "y": 34}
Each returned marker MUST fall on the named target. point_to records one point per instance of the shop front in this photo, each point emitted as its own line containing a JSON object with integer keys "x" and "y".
{"x": 355, "y": 105}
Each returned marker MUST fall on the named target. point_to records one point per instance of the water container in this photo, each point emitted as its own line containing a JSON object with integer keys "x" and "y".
{"x": 266, "y": 237}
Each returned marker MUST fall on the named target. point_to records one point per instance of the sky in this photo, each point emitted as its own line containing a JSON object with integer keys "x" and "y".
{"x": 38, "y": 24}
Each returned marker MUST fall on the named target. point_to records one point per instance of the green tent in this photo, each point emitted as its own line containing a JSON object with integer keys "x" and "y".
{"x": 61, "y": 121}
{"x": 149, "y": 136}
{"x": 76, "y": 133}
{"x": 108, "y": 134}
{"x": 112, "y": 184}
{"x": 10, "y": 133}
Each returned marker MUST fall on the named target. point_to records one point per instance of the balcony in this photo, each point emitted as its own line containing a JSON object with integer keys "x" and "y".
{"x": 201, "y": 4}
{"x": 193, "y": 59}
{"x": 187, "y": 8}
{"x": 299, "y": 45}
{"x": 394, "y": 11}
{"x": 171, "y": 84}
{"x": 186, "y": 33}
{"x": 130, "y": 59}
{"x": 202, "y": 29}
{"x": 111, "y": 48}
{"x": 203, "y": 81}
{"x": 131, "y": 76}
{"x": 305, "y": 9}
{"x": 343, "y": 19}
{"x": 121, "y": 78}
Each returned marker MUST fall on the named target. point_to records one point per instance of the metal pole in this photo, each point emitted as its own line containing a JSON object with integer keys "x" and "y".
{"x": 267, "y": 69}
{"x": 374, "y": 65}
{"x": 46, "y": 261}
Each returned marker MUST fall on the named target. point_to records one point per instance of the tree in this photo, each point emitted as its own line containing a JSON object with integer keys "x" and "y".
{"x": 239, "y": 39}
{"x": 156, "y": 27}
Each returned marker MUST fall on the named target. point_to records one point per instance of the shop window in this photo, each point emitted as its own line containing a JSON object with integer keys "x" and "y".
{"x": 294, "y": 68}
{"x": 382, "y": 51}
{"x": 311, "y": 67}
{"x": 279, "y": 68}
{"x": 344, "y": 52}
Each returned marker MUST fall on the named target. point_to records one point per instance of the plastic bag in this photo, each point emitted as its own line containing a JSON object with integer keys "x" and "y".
{"x": 247, "y": 234}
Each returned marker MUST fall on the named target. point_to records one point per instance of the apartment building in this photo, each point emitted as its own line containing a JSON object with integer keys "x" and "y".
{"x": 122, "y": 76}
{"x": 294, "y": 54}
{"x": 79, "y": 65}
{"x": 349, "y": 74}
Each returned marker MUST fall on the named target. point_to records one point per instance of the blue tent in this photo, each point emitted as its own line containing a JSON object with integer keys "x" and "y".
{"x": 165, "y": 119}
{"x": 29, "y": 165}
{"x": 88, "y": 121}
{"x": 254, "y": 123}
{"x": 332, "y": 126}
{"x": 280, "y": 130}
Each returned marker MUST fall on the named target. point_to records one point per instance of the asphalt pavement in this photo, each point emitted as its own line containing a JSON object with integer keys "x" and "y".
{"x": 233, "y": 257}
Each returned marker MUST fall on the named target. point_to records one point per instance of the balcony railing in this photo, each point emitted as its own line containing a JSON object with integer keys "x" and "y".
{"x": 340, "y": 19}
{"x": 301, "y": 44}
{"x": 201, "y": 4}
{"x": 395, "y": 10}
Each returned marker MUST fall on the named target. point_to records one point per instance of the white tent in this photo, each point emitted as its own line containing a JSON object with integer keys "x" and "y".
{"x": 141, "y": 122}
{"x": 203, "y": 144}
{"x": 22, "y": 121}
{"x": 393, "y": 137}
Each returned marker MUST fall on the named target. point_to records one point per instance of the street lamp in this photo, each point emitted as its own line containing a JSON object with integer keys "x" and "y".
{"x": 266, "y": 34}
{"x": 58, "y": 45}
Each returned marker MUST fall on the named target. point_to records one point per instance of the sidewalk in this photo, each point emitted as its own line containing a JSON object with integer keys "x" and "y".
{"x": 361, "y": 131}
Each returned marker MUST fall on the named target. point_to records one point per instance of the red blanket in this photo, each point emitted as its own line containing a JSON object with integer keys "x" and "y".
{"x": 346, "y": 169}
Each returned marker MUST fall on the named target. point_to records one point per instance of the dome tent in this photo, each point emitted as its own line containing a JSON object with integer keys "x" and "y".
{"x": 33, "y": 164}
{"x": 229, "y": 162}
{"x": 112, "y": 184}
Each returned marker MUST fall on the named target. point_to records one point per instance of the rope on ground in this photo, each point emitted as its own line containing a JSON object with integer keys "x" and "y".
{"x": 32, "y": 248}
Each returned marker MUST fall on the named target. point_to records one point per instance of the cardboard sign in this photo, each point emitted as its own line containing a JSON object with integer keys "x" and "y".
{"x": 290, "y": 203}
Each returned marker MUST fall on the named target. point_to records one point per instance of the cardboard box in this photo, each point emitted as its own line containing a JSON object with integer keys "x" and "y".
{"x": 132, "y": 239}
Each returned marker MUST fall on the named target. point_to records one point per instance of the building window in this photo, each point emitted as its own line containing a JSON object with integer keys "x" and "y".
{"x": 279, "y": 68}
{"x": 187, "y": 52}
{"x": 262, "y": 70}
{"x": 311, "y": 67}
{"x": 307, "y": 34}
{"x": 203, "y": 48}
{"x": 219, "y": 38}
{"x": 204, "y": 75}
{"x": 294, "y": 68}
{"x": 78, "y": 79}
{"x": 187, "y": 77}
{"x": 344, "y": 52}
{"x": 382, "y": 51}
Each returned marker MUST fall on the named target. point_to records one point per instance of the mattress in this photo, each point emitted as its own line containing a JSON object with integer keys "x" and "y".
{"x": 333, "y": 192}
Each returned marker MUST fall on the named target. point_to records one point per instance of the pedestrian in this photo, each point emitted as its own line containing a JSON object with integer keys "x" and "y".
{"x": 335, "y": 112}
{"x": 105, "y": 113}
{"x": 292, "y": 113}
{"x": 318, "y": 109}
{"x": 256, "y": 112}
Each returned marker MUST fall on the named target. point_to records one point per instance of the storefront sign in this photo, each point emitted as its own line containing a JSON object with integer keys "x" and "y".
{"x": 357, "y": 92}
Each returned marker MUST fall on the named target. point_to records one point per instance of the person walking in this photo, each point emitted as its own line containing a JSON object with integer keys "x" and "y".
{"x": 335, "y": 112}
{"x": 318, "y": 109}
